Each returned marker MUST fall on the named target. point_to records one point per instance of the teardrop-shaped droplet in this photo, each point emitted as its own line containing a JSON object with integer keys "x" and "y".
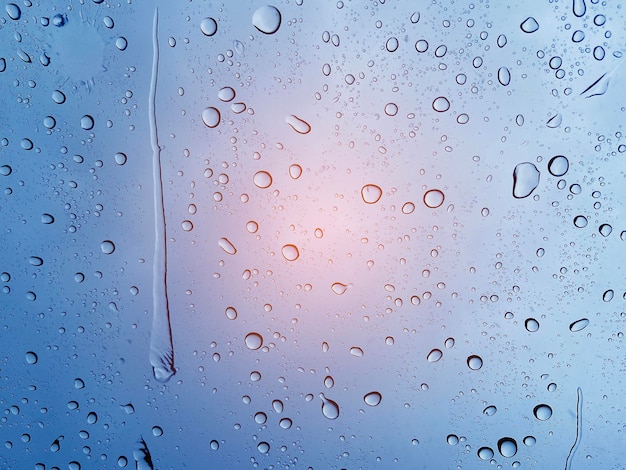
{"x": 579, "y": 8}
{"x": 525, "y": 179}
{"x": 371, "y": 194}
{"x": 529, "y": 25}
{"x": 372, "y": 398}
{"x": 297, "y": 124}
{"x": 330, "y": 409}
{"x": 339, "y": 288}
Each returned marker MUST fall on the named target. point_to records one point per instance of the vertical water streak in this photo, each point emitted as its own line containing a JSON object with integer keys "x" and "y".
{"x": 579, "y": 425}
{"x": 161, "y": 347}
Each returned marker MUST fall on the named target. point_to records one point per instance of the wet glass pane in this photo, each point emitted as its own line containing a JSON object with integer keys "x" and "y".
{"x": 312, "y": 234}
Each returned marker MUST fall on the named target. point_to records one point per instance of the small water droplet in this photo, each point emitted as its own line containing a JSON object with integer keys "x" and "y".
{"x": 107, "y": 247}
{"x": 120, "y": 158}
{"x": 211, "y": 117}
{"x": 262, "y": 179}
{"x": 253, "y": 341}
{"x": 391, "y": 109}
{"x": 504, "y": 76}
{"x": 558, "y": 165}
{"x": 507, "y": 447}
{"x": 529, "y": 25}
{"x": 297, "y": 124}
{"x": 392, "y": 44}
{"x": 441, "y": 104}
{"x": 555, "y": 121}
{"x": 231, "y": 313}
{"x": 531, "y": 325}
{"x": 226, "y": 94}
{"x": 542, "y": 412}
{"x": 485, "y": 453}
{"x": 252, "y": 226}
{"x": 92, "y": 418}
{"x": 408, "y": 208}
{"x": 31, "y": 357}
{"x": 187, "y": 225}
{"x": 474, "y": 362}
{"x": 434, "y": 355}
{"x": 278, "y": 406}
{"x": 356, "y": 351}
{"x": 490, "y": 410}
{"x": 208, "y": 26}
{"x": 121, "y": 43}
{"x": 227, "y": 246}
{"x": 330, "y": 409}
{"x": 290, "y": 252}
{"x": 372, "y": 398}
{"x": 157, "y": 431}
{"x": 285, "y": 423}
{"x": 421, "y": 46}
{"x": 580, "y": 221}
{"x": 433, "y": 198}
{"x": 605, "y": 230}
{"x": 263, "y": 447}
{"x": 525, "y": 180}
{"x": 371, "y": 194}
{"x": 214, "y": 445}
{"x": 58, "y": 97}
{"x": 5, "y": 170}
{"x": 579, "y": 325}
{"x": 267, "y": 19}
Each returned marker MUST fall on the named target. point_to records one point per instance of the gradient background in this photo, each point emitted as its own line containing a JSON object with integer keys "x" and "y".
{"x": 414, "y": 279}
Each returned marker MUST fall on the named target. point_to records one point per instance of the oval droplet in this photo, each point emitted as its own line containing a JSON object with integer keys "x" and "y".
{"x": 579, "y": 325}
{"x": 107, "y": 247}
{"x": 525, "y": 180}
{"x": 434, "y": 355}
{"x": 31, "y": 358}
{"x": 253, "y": 341}
{"x": 485, "y": 453}
{"x": 227, "y": 246}
{"x": 529, "y": 25}
{"x": 330, "y": 409}
{"x": 13, "y": 11}
{"x": 231, "y": 313}
{"x": 606, "y": 297}
{"x": 208, "y": 26}
{"x": 558, "y": 165}
{"x": 504, "y": 76}
{"x": 490, "y": 410}
{"x": 441, "y": 104}
{"x": 121, "y": 43}
{"x": 392, "y": 44}
{"x": 226, "y": 94}
{"x": 555, "y": 121}
{"x": 372, "y": 398}
{"x": 356, "y": 351}
{"x": 295, "y": 171}
{"x": 408, "y": 208}
{"x": 35, "y": 261}
{"x": 262, "y": 179}
{"x": 285, "y": 423}
{"x": 474, "y": 362}
{"x": 87, "y": 122}
{"x": 278, "y": 406}
{"x": 211, "y": 117}
{"x": 290, "y": 252}
{"x": 267, "y": 19}
{"x": 371, "y": 194}
{"x": 507, "y": 446}
{"x": 58, "y": 97}
{"x": 433, "y": 198}
{"x": 329, "y": 382}
{"x": 297, "y": 124}
{"x": 542, "y": 412}
{"x": 579, "y": 8}
{"x": 531, "y": 325}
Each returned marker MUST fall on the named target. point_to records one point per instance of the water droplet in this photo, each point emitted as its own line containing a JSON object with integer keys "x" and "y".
{"x": 92, "y": 418}
{"x": 107, "y": 247}
{"x": 253, "y": 341}
{"x": 35, "y": 261}
{"x": 580, "y": 221}
{"x": 157, "y": 431}
{"x": 262, "y": 179}
{"x": 501, "y": 41}
{"x": 297, "y": 124}
{"x": 295, "y": 171}
{"x": 441, "y": 104}
{"x": 504, "y": 76}
{"x": 529, "y": 25}
{"x": 5, "y": 170}
{"x": 452, "y": 439}
{"x": 433, "y": 198}
{"x": 579, "y": 325}
{"x": 392, "y": 44}
{"x": 555, "y": 121}
{"x": 186, "y": 225}
{"x": 214, "y": 445}
{"x": 13, "y": 11}
{"x": 421, "y": 46}
{"x": 211, "y": 117}
{"x": 87, "y": 122}
{"x": 58, "y": 97}
{"x": 285, "y": 423}
{"x": 490, "y": 410}
{"x": 474, "y": 362}
{"x": 531, "y": 325}
{"x": 267, "y": 19}
{"x": 372, "y": 398}
{"x": 26, "y": 144}
{"x": 530, "y": 440}
{"x": 578, "y": 36}
{"x": 290, "y": 252}
{"x": 121, "y": 43}
{"x": 356, "y": 351}
{"x": 231, "y": 313}
{"x": 227, "y": 246}
{"x": 141, "y": 455}
{"x": 47, "y": 219}
{"x": 408, "y": 208}
{"x": 3, "y": 64}
{"x": 208, "y": 26}
{"x": 330, "y": 409}
{"x": 605, "y": 230}
{"x": 252, "y": 226}
{"x": 391, "y": 109}
{"x": 371, "y": 194}
{"x": 263, "y": 447}
{"x": 542, "y": 412}
{"x": 108, "y": 22}
{"x": 226, "y": 94}
{"x": 278, "y": 406}
{"x": 579, "y": 8}
{"x": 608, "y": 295}
{"x": 31, "y": 358}
{"x": 415, "y": 17}
{"x": 49, "y": 122}
{"x": 558, "y": 165}
{"x": 525, "y": 179}
{"x": 339, "y": 288}
{"x": 122, "y": 461}
{"x": 449, "y": 343}
{"x": 507, "y": 447}
{"x": 435, "y": 355}
{"x": 120, "y": 158}
{"x": 485, "y": 453}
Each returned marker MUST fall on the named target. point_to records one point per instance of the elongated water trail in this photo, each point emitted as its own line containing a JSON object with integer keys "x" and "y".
{"x": 579, "y": 425}
{"x": 161, "y": 346}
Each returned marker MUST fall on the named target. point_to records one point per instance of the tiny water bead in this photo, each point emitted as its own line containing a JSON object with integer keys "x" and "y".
{"x": 253, "y": 341}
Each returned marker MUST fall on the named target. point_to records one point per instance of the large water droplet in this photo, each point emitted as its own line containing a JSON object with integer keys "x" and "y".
{"x": 262, "y": 179}
{"x": 260, "y": 418}
{"x": 542, "y": 412}
{"x": 211, "y": 117}
{"x": 529, "y": 25}
{"x": 330, "y": 409}
{"x": 13, "y": 11}
{"x": 226, "y": 94}
{"x": 580, "y": 221}
{"x": 579, "y": 325}
{"x": 267, "y": 19}
{"x": 253, "y": 341}
{"x": 31, "y": 358}
{"x": 507, "y": 447}
{"x": 87, "y": 122}
{"x": 525, "y": 180}
{"x": 290, "y": 252}
{"x": 531, "y": 325}
{"x": 208, "y": 26}
{"x": 433, "y": 198}
{"x": 504, "y": 76}
{"x": 555, "y": 121}
{"x": 435, "y": 355}
{"x": 227, "y": 246}
{"x": 372, "y": 398}
{"x": 295, "y": 171}
{"x": 107, "y": 247}
{"x": 297, "y": 124}
{"x": 474, "y": 362}
{"x": 485, "y": 453}
{"x": 441, "y": 104}
{"x": 579, "y": 8}
{"x": 605, "y": 230}
{"x": 371, "y": 194}
{"x": 558, "y": 165}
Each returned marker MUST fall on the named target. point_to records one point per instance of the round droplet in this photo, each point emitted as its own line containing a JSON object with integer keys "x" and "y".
{"x": 120, "y": 158}
{"x": 79, "y": 383}
{"x": 267, "y": 19}
{"x": 490, "y": 410}
{"x": 255, "y": 376}
{"x": 157, "y": 431}
{"x": 605, "y": 230}
{"x": 31, "y": 358}
{"x": 433, "y": 198}
{"x": 187, "y": 225}
{"x": 392, "y": 44}
{"x": 108, "y": 22}
{"x": 391, "y": 109}
{"x": 260, "y": 418}
{"x": 107, "y": 247}
{"x": 297, "y": 124}
{"x": 87, "y": 122}
{"x": 5, "y": 170}
{"x": 122, "y": 461}
{"x": 27, "y": 144}
{"x": 13, "y": 11}
{"x": 252, "y": 226}
{"x": 441, "y": 104}
{"x": 372, "y": 398}
{"x": 278, "y": 406}
{"x": 542, "y": 412}
{"x": 330, "y": 409}
{"x": 474, "y": 362}
{"x": 580, "y": 221}
{"x": 531, "y": 325}
{"x": 285, "y": 423}
{"x": 530, "y": 440}
{"x": 262, "y": 179}
{"x": 421, "y": 45}
{"x": 208, "y": 26}
{"x": 263, "y": 447}
{"x": 449, "y": 343}
{"x": 525, "y": 180}
{"x": 290, "y": 252}
{"x": 529, "y": 25}
{"x": 434, "y": 355}
{"x": 485, "y": 453}
{"x": 295, "y": 171}
{"x": 121, "y": 43}
{"x": 371, "y": 193}
{"x": 211, "y": 117}
{"x": 79, "y": 277}
{"x": 579, "y": 325}
{"x": 408, "y": 208}
{"x": 558, "y": 165}
{"x": 339, "y": 288}
{"x": 253, "y": 341}
{"x": 507, "y": 447}
{"x": 214, "y": 445}
{"x": 504, "y": 76}
{"x": 227, "y": 246}
{"x": 49, "y": 122}
{"x": 226, "y": 94}
{"x": 231, "y": 313}
{"x": 452, "y": 439}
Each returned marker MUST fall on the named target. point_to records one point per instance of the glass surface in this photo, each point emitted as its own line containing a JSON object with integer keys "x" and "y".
{"x": 312, "y": 234}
